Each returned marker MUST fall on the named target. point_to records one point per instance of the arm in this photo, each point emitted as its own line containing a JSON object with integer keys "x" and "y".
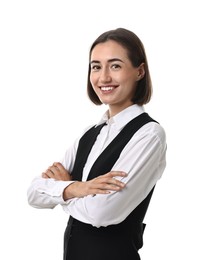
{"x": 50, "y": 189}
{"x": 58, "y": 174}
{"x": 46, "y": 191}
{"x": 103, "y": 184}
{"x": 144, "y": 160}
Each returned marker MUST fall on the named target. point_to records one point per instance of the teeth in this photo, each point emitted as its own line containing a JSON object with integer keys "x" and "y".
{"x": 106, "y": 88}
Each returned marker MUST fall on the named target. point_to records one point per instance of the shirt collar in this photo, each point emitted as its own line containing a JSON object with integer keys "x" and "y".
{"x": 122, "y": 118}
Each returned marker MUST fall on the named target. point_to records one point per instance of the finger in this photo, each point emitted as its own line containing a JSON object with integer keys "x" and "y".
{"x": 54, "y": 170}
{"x": 108, "y": 184}
{"x": 49, "y": 173}
{"x": 59, "y": 172}
{"x": 44, "y": 175}
{"x": 65, "y": 174}
{"x": 116, "y": 182}
{"x": 105, "y": 189}
{"x": 99, "y": 191}
{"x": 112, "y": 174}
{"x": 59, "y": 166}
{"x": 117, "y": 173}
{"x": 111, "y": 181}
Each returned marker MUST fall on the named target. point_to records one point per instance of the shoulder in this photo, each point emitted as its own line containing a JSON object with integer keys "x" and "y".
{"x": 152, "y": 130}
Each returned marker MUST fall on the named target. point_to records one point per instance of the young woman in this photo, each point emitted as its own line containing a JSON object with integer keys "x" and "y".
{"x": 106, "y": 179}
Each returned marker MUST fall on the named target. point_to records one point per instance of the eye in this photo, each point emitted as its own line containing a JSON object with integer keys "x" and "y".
{"x": 115, "y": 66}
{"x": 95, "y": 67}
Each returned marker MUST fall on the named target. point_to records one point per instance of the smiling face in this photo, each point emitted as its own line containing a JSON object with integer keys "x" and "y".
{"x": 113, "y": 77}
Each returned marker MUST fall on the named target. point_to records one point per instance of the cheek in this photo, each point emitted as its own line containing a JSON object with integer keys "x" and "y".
{"x": 132, "y": 79}
{"x": 93, "y": 80}
{"x": 130, "y": 87}
{"x": 126, "y": 77}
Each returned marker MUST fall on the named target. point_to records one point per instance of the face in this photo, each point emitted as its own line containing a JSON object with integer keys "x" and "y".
{"x": 113, "y": 77}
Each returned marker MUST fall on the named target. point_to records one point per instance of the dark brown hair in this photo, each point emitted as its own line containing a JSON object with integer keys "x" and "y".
{"x": 137, "y": 56}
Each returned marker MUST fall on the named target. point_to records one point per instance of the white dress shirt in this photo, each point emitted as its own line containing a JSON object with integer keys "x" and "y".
{"x": 143, "y": 159}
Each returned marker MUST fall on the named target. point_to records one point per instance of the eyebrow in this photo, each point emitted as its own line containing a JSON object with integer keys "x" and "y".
{"x": 110, "y": 60}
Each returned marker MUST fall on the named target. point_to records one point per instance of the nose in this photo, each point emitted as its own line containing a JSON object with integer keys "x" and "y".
{"x": 105, "y": 76}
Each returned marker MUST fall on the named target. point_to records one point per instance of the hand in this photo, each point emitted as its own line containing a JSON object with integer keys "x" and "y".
{"x": 103, "y": 184}
{"x": 57, "y": 172}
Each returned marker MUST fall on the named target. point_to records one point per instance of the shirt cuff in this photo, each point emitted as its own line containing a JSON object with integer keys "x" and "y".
{"x": 54, "y": 188}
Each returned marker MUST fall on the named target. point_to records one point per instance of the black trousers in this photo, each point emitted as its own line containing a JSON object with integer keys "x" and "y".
{"x": 84, "y": 242}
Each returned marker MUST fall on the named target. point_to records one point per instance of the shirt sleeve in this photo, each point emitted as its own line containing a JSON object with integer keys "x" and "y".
{"x": 143, "y": 159}
{"x": 47, "y": 193}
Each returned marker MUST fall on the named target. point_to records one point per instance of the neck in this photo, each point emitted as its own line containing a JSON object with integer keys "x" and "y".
{"x": 114, "y": 110}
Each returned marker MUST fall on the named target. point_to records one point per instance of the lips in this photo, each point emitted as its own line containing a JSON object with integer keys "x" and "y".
{"x": 107, "y": 89}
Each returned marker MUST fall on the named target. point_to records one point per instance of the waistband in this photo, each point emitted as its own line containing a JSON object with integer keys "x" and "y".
{"x": 121, "y": 228}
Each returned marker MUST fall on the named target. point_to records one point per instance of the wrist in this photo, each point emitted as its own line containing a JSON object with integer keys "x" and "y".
{"x": 68, "y": 192}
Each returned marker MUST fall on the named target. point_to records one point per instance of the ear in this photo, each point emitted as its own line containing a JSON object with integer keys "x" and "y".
{"x": 140, "y": 72}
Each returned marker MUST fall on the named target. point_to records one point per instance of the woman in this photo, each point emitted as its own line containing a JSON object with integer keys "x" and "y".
{"x": 106, "y": 179}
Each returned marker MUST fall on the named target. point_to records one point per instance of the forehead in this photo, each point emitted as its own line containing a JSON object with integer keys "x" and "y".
{"x": 108, "y": 50}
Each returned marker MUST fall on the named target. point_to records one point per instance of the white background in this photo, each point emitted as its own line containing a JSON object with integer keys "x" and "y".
{"x": 44, "y": 49}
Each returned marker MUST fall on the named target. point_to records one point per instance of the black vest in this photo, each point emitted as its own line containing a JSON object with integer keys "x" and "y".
{"x": 132, "y": 226}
